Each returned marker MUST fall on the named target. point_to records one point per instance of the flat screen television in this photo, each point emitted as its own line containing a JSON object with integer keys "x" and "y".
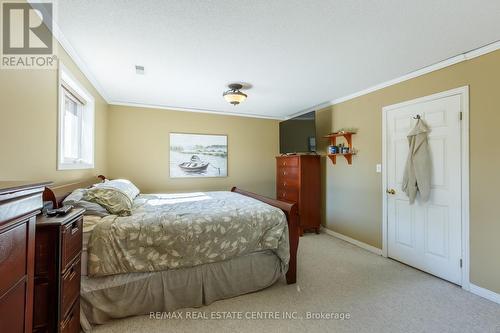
{"x": 298, "y": 135}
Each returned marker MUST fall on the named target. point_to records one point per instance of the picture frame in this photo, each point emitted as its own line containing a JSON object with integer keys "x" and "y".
{"x": 197, "y": 155}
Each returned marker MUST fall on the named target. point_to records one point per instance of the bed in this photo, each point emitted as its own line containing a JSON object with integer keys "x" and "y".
{"x": 182, "y": 250}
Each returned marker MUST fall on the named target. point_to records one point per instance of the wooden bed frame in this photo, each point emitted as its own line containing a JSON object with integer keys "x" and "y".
{"x": 291, "y": 212}
{"x": 57, "y": 194}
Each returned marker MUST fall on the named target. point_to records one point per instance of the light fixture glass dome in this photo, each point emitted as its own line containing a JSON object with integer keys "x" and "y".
{"x": 234, "y": 95}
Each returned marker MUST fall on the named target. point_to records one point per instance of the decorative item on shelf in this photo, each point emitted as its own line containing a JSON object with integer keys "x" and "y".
{"x": 234, "y": 95}
{"x": 341, "y": 149}
{"x": 333, "y": 149}
{"x": 351, "y": 130}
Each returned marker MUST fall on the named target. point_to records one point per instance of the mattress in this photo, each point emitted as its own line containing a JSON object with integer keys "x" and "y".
{"x": 181, "y": 230}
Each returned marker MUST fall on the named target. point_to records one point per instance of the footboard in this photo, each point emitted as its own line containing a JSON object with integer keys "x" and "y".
{"x": 290, "y": 210}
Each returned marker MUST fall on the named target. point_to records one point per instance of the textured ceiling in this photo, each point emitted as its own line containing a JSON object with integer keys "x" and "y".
{"x": 294, "y": 54}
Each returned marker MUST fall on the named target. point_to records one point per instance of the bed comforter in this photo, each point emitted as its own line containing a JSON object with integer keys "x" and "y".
{"x": 169, "y": 231}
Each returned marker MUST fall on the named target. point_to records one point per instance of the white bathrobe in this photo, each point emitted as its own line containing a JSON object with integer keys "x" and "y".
{"x": 418, "y": 170}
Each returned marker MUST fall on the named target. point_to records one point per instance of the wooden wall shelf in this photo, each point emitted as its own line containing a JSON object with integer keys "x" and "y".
{"x": 333, "y": 142}
{"x": 347, "y": 156}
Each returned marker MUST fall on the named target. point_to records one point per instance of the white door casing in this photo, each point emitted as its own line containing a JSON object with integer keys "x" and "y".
{"x": 431, "y": 236}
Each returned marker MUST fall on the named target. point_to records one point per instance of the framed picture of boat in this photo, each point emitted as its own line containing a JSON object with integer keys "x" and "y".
{"x": 198, "y": 155}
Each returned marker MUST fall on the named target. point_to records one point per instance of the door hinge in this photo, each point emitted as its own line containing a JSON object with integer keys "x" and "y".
{"x": 460, "y": 263}
{"x": 460, "y": 115}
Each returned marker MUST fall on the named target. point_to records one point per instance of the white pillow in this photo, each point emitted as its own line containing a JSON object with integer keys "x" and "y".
{"x": 122, "y": 185}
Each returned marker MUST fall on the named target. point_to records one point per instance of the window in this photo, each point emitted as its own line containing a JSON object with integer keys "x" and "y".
{"x": 76, "y": 124}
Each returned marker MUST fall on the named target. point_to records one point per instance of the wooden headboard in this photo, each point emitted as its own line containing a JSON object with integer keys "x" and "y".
{"x": 57, "y": 194}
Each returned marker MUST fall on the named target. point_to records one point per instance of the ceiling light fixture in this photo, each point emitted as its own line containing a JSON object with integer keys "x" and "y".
{"x": 234, "y": 95}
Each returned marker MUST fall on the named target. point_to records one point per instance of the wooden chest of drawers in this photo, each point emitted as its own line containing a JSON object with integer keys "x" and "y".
{"x": 298, "y": 180}
{"x": 19, "y": 204}
{"x": 57, "y": 273}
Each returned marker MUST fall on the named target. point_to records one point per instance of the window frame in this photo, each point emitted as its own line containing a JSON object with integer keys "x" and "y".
{"x": 69, "y": 87}
{"x": 67, "y": 95}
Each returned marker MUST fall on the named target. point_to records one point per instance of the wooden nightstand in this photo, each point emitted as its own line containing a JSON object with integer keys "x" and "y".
{"x": 58, "y": 247}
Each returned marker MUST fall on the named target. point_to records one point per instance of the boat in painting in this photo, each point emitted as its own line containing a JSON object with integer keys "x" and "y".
{"x": 194, "y": 165}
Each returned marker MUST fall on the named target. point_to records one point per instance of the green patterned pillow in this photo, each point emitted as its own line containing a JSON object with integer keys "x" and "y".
{"x": 114, "y": 201}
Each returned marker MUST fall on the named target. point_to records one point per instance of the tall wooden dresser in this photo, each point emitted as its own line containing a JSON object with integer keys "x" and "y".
{"x": 19, "y": 204}
{"x": 298, "y": 179}
{"x": 58, "y": 273}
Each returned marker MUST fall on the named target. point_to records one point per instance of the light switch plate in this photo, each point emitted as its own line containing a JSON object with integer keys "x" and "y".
{"x": 379, "y": 168}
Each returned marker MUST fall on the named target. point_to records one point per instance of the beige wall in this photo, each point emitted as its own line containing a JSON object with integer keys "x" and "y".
{"x": 138, "y": 146}
{"x": 28, "y": 125}
{"x": 352, "y": 194}
{"x": 133, "y": 143}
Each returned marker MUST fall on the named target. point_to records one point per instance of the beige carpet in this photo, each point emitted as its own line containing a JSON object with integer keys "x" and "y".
{"x": 380, "y": 295}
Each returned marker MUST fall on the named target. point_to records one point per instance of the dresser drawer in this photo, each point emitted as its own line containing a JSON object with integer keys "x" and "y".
{"x": 12, "y": 309}
{"x": 287, "y": 182}
{"x": 288, "y": 161}
{"x": 71, "y": 322}
{"x": 289, "y": 194}
{"x": 12, "y": 256}
{"x": 70, "y": 286}
{"x": 288, "y": 173}
{"x": 71, "y": 242}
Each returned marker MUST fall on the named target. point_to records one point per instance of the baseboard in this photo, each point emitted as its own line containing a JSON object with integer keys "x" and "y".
{"x": 353, "y": 241}
{"x": 485, "y": 293}
{"x": 479, "y": 291}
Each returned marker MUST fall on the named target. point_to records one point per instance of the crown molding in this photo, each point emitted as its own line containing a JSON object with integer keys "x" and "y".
{"x": 428, "y": 69}
{"x": 57, "y": 33}
{"x": 78, "y": 61}
{"x": 182, "y": 109}
{"x": 66, "y": 45}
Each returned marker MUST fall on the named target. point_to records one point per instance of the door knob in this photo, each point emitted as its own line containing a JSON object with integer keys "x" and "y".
{"x": 391, "y": 191}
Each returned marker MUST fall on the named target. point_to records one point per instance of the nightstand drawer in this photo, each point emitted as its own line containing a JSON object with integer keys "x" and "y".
{"x": 70, "y": 286}
{"x": 71, "y": 323}
{"x": 71, "y": 242}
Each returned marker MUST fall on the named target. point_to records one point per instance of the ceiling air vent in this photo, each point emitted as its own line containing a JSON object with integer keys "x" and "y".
{"x": 139, "y": 70}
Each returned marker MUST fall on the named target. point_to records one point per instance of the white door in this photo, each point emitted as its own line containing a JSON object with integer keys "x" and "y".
{"x": 426, "y": 235}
